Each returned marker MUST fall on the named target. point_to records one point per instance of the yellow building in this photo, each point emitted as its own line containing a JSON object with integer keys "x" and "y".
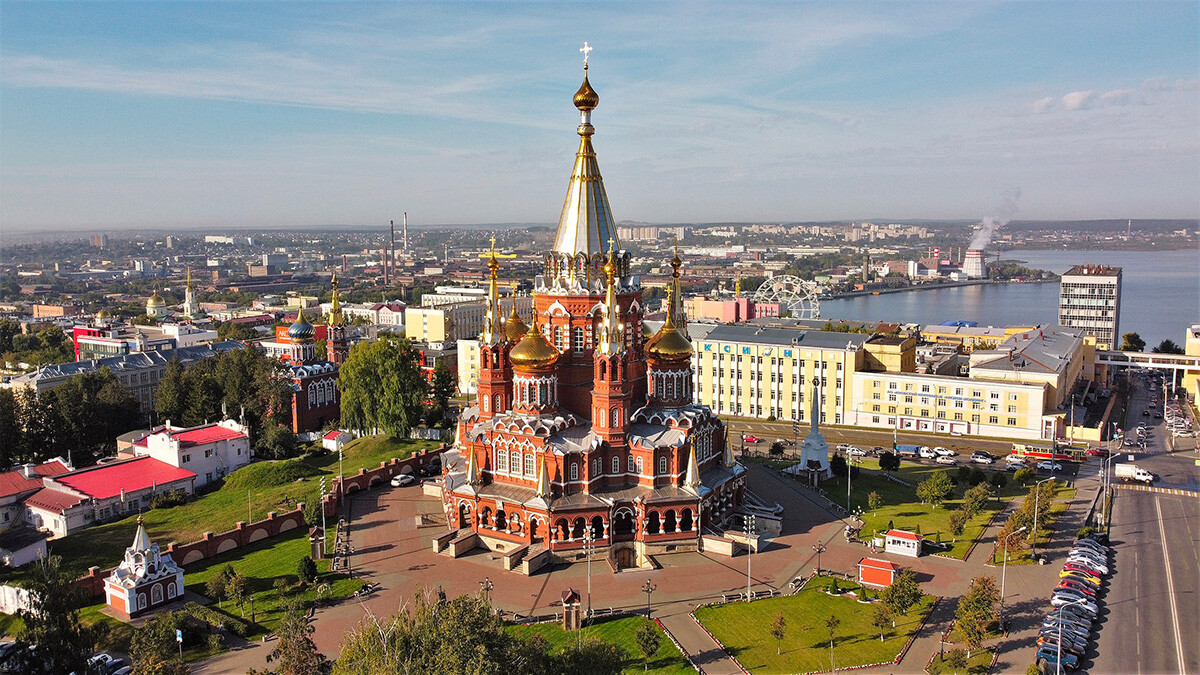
{"x": 1191, "y": 347}
{"x": 456, "y": 321}
{"x": 752, "y": 371}
{"x": 970, "y": 338}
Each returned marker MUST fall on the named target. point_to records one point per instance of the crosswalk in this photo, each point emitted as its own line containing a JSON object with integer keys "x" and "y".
{"x": 1159, "y": 490}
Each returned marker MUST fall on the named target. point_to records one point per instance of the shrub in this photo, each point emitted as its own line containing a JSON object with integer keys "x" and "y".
{"x": 1085, "y": 532}
{"x": 1022, "y": 476}
{"x": 306, "y": 570}
{"x": 166, "y": 500}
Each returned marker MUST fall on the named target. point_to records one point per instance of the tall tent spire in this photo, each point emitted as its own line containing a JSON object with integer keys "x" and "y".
{"x": 586, "y": 222}
{"x": 141, "y": 541}
{"x": 692, "y": 480}
{"x": 611, "y": 340}
{"x": 543, "y": 486}
{"x": 491, "y": 322}
{"x": 472, "y": 469}
{"x": 335, "y": 305}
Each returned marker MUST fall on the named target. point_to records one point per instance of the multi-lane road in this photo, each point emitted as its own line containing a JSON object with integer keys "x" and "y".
{"x": 1153, "y": 600}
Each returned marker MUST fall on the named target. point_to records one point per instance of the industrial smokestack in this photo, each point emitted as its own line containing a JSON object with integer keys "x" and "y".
{"x": 392, "y": 250}
{"x": 406, "y": 233}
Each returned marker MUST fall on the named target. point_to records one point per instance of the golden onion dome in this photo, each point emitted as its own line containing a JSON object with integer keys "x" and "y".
{"x": 514, "y": 327}
{"x": 669, "y": 344}
{"x": 586, "y": 98}
{"x": 102, "y": 315}
{"x": 156, "y": 300}
{"x": 646, "y": 332}
{"x": 533, "y": 351}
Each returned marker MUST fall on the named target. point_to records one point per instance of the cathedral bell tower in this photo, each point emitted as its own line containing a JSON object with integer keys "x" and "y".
{"x": 670, "y": 353}
{"x": 611, "y": 393}
{"x": 336, "y": 346}
{"x": 495, "y": 382}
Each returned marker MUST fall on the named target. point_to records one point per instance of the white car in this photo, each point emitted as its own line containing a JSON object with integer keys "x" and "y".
{"x": 943, "y": 452}
{"x": 946, "y": 459}
{"x": 925, "y": 452}
{"x": 403, "y": 479}
{"x": 1048, "y": 465}
{"x": 856, "y": 451}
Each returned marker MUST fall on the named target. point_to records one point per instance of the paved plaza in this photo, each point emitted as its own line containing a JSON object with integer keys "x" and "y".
{"x": 392, "y": 529}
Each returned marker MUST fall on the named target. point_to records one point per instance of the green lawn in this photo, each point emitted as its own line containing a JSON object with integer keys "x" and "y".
{"x": 744, "y": 629}
{"x": 620, "y": 632}
{"x": 903, "y": 510}
{"x": 263, "y": 562}
{"x": 248, "y": 493}
{"x": 977, "y": 664}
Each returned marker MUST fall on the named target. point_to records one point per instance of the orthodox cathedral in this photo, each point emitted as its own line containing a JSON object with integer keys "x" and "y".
{"x": 583, "y": 431}
{"x": 315, "y": 396}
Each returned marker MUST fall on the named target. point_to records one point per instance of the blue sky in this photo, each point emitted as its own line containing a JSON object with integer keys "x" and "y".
{"x": 141, "y": 114}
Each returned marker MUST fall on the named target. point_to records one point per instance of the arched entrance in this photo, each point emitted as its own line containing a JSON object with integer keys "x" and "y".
{"x": 685, "y": 523}
{"x": 654, "y": 527}
{"x": 622, "y": 523}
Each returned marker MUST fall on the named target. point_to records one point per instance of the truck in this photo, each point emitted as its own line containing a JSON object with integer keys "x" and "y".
{"x": 907, "y": 450}
{"x": 1128, "y": 472}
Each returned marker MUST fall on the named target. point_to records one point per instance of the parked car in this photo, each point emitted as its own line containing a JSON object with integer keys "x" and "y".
{"x": 980, "y": 457}
{"x": 1050, "y": 656}
{"x": 857, "y": 451}
{"x": 943, "y": 459}
{"x": 1086, "y": 576}
{"x": 1049, "y": 465}
{"x": 925, "y": 452}
{"x": 1090, "y": 543}
{"x": 1083, "y": 579}
{"x": 1086, "y": 565}
{"x": 1076, "y": 586}
{"x": 403, "y": 479}
{"x": 1069, "y": 645}
{"x": 943, "y": 452}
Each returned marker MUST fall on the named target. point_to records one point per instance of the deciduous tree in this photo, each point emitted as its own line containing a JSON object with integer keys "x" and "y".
{"x": 648, "y": 641}
{"x": 382, "y": 387}
{"x": 935, "y": 489}
{"x": 874, "y": 501}
{"x": 881, "y": 619}
{"x": 977, "y": 610}
{"x": 778, "y": 631}
{"x": 1132, "y": 342}
{"x": 52, "y": 623}
{"x": 904, "y": 592}
{"x": 295, "y": 653}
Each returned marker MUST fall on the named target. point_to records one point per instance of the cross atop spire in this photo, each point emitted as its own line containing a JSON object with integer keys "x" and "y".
{"x": 586, "y": 50}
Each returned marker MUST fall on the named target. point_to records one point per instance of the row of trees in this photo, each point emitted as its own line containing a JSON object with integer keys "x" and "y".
{"x": 1035, "y": 505}
{"x": 42, "y": 348}
{"x": 78, "y": 420}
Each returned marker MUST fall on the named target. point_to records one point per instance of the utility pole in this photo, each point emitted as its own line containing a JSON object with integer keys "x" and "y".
{"x": 589, "y": 542}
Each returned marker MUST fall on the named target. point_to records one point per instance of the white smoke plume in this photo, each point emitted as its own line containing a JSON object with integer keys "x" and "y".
{"x": 1000, "y": 217}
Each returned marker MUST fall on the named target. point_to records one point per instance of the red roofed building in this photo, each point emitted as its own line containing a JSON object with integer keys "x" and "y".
{"x": 78, "y": 499}
{"x": 211, "y": 451}
{"x": 19, "y": 484}
{"x": 875, "y": 572}
{"x": 901, "y": 542}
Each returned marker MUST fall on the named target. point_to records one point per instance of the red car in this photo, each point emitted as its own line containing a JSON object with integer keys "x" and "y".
{"x": 751, "y": 439}
{"x": 1078, "y": 567}
{"x": 1082, "y": 588}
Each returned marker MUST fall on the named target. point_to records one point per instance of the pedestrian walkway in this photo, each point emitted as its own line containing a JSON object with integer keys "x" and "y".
{"x": 701, "y": 649}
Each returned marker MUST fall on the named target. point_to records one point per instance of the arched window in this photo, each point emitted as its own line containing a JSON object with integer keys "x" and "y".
{"x": 558, "y": 337}
{"x": 616, "y": 465}
{"x": 662, "y": 466}
{"x": 616, "y": 417}
{"x": 501, "y": 460}
{"x": 574, "y": 471}
{"x": 529, "y": 465}
{"x": 486, "y": 402}
{"x": 498, "y": 404}
{"x": 639, "y": 466}
{"x": 629, "y": 463}
{"x": 141, "y": 601}
{"x": 577, "y": 336}
{"x": 600, "y": 417}
{"x": 312, "y": 395}
{"x": 171, "y": 590}
{"x": 156, "y": 594}
{"x": 514, "y": 458}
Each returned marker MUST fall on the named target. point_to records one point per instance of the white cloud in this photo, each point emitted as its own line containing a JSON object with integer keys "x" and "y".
{"x": 1076, "y": 100}
{"x": 1116, "y": 97}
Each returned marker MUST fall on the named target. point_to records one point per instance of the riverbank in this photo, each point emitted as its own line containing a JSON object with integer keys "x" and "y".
{"x": 933, "y": 287}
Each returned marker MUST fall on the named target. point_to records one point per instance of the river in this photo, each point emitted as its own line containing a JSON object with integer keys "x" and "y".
{"x": 1160, "y": 295}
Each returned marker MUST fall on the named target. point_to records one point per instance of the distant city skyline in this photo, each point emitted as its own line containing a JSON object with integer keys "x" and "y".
{"x": 153, "y": 115}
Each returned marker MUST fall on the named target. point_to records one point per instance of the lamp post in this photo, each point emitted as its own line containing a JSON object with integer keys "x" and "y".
{"x": 851, "y": 460}
{"x": 1058, "y": 664}
{"x": 1037, "y": 502}
{"x": 1004, "y": 573}
{"x": 486, "y": 587}
{"x": 819, "y": 548}
{"x": 589, "y": 545}
{"x": 748, "y": 521}
{"x": 648, "y": 588}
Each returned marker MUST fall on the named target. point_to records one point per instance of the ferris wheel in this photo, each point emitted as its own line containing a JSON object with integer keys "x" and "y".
{"x": 793, "y": 294}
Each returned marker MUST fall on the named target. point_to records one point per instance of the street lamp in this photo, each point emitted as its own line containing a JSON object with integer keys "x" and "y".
{"x": 648, "y": 588}
{"x": 1058, "y": 665}
{"x": 1037, "y": 502}
{"x": 851, "y": 460}
{"x": 589, "y": 545}
{"x": 748, "y": 521}
{"x": 819, "y": 548}
{"x": 1004, "y": 572}
{"x": 486, "y": 587}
